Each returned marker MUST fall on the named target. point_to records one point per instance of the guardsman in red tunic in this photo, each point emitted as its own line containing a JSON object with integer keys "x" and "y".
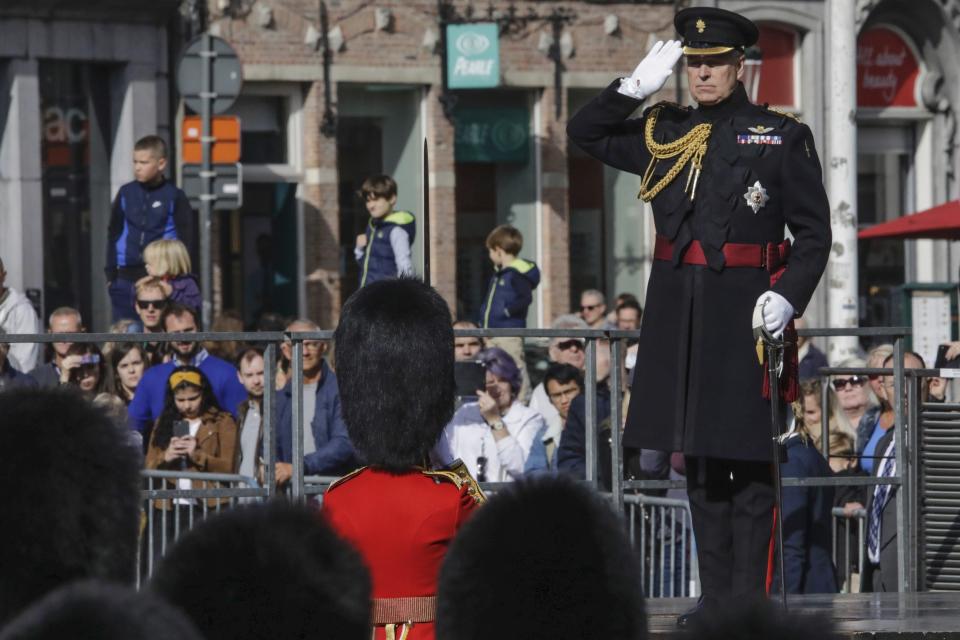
{"x": 395, "y": 367}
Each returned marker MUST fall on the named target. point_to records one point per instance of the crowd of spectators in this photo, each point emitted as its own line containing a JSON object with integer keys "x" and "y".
{"x": 277, "y": 569}
{"x": 503, "y": 432}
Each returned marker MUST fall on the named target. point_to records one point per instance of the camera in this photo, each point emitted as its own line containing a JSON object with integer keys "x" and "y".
{"x": 469, "y": 377}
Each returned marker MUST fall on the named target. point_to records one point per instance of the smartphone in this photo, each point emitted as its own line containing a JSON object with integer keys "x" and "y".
{"x": 469, "y": 376}
{"x": 181, "y": 428}
{"x": 942, "y": 362}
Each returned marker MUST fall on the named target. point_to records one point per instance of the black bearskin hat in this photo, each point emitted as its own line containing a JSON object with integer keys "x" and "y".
{"x": 73, "y": 496}
{"x": 395, "y": 371}
{"x": 545, "y": 558}
{"x": 267, "y": 571}
{"x": 93, "y": 609}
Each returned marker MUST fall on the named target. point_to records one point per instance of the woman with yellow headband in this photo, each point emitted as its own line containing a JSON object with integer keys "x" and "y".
{"x": 192, "y": 434}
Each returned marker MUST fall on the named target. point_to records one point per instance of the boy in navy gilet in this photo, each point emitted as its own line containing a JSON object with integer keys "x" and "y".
{"x": 383, "y": 249}
{"x": 509, "y": 296}
{"x": 147, "y": 209}
{"x": 512, "y": 284}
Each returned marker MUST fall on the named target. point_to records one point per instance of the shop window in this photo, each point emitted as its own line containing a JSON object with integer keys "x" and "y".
{"x": 263, "y": 137}
{"x": 779, "y": 46}
{"x": 259, "y": 249}
{"x": 75, "y": 136}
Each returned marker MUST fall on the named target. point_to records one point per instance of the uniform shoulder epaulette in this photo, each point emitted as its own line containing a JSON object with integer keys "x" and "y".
{"x": 781, "y": 112}
{"x": 672, "y": 106}
{"x": 340, "y": 481}
{"x": 458, "y": 475}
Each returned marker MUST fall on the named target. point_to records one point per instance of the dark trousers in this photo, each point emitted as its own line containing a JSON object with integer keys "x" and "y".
{"x": 122, "y": 298}
{"x": 731, "y": 502}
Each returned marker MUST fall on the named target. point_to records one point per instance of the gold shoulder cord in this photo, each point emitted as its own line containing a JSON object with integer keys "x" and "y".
{"x": 691, "y": 148}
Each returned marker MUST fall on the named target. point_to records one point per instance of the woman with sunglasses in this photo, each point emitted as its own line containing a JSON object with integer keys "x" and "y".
{"x": 853, "y": 393}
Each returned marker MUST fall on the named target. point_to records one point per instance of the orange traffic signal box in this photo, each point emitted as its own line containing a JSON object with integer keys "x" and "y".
{"x": 226, "y": 147}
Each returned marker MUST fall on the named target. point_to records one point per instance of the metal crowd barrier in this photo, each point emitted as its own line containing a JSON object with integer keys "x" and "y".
{"x": 622, "y": 490}
{"x": 661, "y": 529}
{"x": 844, "y": 530}
{"x": 162, "y": 525}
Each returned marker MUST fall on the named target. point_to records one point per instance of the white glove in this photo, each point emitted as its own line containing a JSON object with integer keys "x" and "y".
{"x": 777, "y": 312}
{"x": 652, "y": 72}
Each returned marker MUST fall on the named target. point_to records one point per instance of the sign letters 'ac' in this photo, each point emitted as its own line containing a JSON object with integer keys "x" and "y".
{"x": 473, "y": 56}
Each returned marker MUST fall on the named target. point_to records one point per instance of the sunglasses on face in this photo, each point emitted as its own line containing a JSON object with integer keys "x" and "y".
{"x": 588, "y": 307}
{"x": 855, "y": 381}
{"x": 570, "y": 344}
{"x": 143, "y": 305}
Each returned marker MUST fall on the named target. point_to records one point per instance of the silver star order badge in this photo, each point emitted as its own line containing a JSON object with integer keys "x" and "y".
{"x": 756, "y": 196}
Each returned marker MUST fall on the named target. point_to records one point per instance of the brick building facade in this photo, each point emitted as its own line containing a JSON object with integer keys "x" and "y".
{"x": 389, "y": 51}
{"x": 79, "y": 86}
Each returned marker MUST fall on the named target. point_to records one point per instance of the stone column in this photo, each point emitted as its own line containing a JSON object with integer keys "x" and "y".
{"x": 319, "y": 197}
{"x": 841, "y": 178}
{"x": 555, "y": 208}
{"x": 443, "y": 212}
{"x": 21, "y": 195}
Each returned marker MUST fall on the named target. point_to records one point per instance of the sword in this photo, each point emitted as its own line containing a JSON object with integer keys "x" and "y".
{"x": 772, "y": 347}
{"x": 426, "y": 214}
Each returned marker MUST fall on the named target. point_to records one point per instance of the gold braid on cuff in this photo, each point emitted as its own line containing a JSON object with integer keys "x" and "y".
{"x": 691, "y": 148}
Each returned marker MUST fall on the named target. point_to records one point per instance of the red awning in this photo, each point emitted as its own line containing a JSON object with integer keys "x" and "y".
{"x": 941, "y": 222}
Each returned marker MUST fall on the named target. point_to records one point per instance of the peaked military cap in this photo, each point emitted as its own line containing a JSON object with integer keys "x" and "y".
{"x": 708, "y": 31}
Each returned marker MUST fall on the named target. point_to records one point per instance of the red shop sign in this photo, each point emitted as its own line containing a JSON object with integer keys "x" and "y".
{"x": 887, "y": 70}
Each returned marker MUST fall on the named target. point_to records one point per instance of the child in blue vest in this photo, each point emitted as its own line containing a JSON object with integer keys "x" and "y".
{"x": 512, "y": 284}
{"x": 148, "y": 208}
{"x": 509, "y": 296}
{"x": 383, "y": 249}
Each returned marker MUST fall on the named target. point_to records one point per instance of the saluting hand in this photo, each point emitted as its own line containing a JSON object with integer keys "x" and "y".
{"x": 652, "y": 72}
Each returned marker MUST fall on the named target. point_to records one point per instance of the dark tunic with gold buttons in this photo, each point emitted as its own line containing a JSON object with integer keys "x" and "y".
{"x": 697, "y": 385}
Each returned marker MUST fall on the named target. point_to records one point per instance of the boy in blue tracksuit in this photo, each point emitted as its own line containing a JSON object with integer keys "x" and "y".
{"x": 512, "y": 284}
{"x": 148, "y": 208}
{"x": 383, "y": 249}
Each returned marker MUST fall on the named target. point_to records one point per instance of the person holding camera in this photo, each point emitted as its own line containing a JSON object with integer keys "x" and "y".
{"x": 192, "y": 434}
{"x": 494, "y": 435}
{"x": 83, "y": 367}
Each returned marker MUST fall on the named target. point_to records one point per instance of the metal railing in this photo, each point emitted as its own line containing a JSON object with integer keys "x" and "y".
{"x": 847, "y": 526}
{"x": 168, "y": 513}
{"x": 622, "y": 490}
{"x": 661, "y": 529}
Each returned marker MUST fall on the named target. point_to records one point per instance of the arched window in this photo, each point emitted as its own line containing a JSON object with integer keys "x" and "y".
{"x": 779, "y": 46}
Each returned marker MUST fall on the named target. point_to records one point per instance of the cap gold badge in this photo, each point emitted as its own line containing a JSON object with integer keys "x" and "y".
{"x": 701, "y": 26}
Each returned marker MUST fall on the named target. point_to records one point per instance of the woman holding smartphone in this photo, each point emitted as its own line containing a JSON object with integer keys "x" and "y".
{"x": 193, "y": 435}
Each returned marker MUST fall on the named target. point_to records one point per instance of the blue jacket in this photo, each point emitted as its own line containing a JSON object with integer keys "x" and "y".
{"x": 334, "y": 454}
{"x": 147, "y": 403}
{"x": 809, "y": 367}
{"x": 10, "y": 378}
{"x": 572, "y": 450}
{"x": 807, "y": 524}
{"x": 142, "y": 214}
{"x": 509, "y": 295}
{"x": 378, "y": 261}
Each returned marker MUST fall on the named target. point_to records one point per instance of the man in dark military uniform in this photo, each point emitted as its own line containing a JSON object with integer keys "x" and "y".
{"x": 723, "y": 179}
